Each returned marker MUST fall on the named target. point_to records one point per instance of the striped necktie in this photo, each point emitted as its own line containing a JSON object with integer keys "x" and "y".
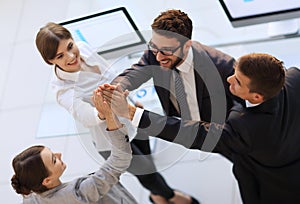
{"x": 181, "y": 96}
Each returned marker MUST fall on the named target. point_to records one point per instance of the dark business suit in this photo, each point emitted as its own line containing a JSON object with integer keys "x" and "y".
{"x": 210, "y": 66}
{"x": 261, "y": 141}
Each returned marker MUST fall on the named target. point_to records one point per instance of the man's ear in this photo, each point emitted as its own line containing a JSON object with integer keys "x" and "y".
{"x": 257, "y": 98}
{"x": 187, "y": 45}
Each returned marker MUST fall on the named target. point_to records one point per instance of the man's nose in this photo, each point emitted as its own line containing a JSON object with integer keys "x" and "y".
{"x": 159, "y": 56}
{"x": 229, "y": 79}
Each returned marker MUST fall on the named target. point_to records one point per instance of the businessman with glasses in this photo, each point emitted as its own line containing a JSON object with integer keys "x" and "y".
{"x": 169, "y": 49}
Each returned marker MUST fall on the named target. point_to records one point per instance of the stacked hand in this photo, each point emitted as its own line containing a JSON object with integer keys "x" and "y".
{"x": 116, "y": 98}
{"x": 104, "y": 110}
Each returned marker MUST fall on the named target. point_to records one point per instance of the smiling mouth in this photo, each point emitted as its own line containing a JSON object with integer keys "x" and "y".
{"x": 164, "y": 62}
{"x": 73, "y": 62}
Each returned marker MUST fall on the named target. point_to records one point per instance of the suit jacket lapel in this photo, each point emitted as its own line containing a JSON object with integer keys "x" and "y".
{"x": 162, "y": 86}
{"x": 198, "y": 80}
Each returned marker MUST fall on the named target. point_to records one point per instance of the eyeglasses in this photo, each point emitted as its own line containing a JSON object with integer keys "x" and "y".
{"x": 164, "y": 51}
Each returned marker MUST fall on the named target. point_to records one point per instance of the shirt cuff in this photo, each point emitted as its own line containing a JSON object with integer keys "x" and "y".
{"x": 132, "y": 130}
{"x": 137, "y": 117}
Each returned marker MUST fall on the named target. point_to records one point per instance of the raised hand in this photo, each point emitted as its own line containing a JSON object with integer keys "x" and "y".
{"x": 117, "y": 98}
{"x": 103, "y": 106}
{"x": 98, "y": 103}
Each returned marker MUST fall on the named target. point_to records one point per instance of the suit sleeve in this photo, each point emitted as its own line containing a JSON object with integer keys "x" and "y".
{"x": 224, "y": 63}
{"x": 209, "y": 137}
{"x": 138, "y": 74}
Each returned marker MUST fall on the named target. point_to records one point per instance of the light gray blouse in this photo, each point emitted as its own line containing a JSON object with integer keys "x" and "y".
{"x": 100, "y": 187}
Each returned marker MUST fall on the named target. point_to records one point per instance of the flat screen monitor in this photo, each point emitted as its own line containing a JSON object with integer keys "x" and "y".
{"x": 112, "y": 33}
{"x": 251, "y": 12}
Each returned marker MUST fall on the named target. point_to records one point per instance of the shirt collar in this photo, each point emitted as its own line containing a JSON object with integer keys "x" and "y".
{"x": 187, "y": 64}
{"x": 71, "y": 76}
{"x": 61, "y": 74}
{"x": 248, "y": 104}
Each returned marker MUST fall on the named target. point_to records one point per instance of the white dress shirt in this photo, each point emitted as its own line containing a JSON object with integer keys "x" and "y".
{"x": 248, "y": 104}
{"x": 187, "y": 73}
{"x": 188, "y": 78}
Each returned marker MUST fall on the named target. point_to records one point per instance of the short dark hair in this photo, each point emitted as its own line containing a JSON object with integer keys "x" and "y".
{"x": 174, "y": 21}
{"x": 48, "y": 38}
{"x": 266, "y": 73}
{"x": 30, "y": 171}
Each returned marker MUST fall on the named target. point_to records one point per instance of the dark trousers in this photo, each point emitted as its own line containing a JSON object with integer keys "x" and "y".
{"x": 143, "y": 167}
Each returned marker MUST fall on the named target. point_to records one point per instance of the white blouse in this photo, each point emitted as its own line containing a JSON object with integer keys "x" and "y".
{"x": 74, "y": 91}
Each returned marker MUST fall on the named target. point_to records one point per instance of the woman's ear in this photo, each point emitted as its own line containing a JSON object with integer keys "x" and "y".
{"x": 47, "y": 181}
{"x": 50, "y": 62}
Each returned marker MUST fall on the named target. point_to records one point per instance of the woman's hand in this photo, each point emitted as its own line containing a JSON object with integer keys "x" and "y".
{"x": 117, "y": 98}
{"x": 104, "y": 107}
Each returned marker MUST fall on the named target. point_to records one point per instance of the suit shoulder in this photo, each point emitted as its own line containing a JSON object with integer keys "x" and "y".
{"x": 237, "y": 113}
{"x": 223, "y": 62}
{"x": 293, "y": 71}
{"x": 212, "y": 52}
{"x": 292, "y": 76}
